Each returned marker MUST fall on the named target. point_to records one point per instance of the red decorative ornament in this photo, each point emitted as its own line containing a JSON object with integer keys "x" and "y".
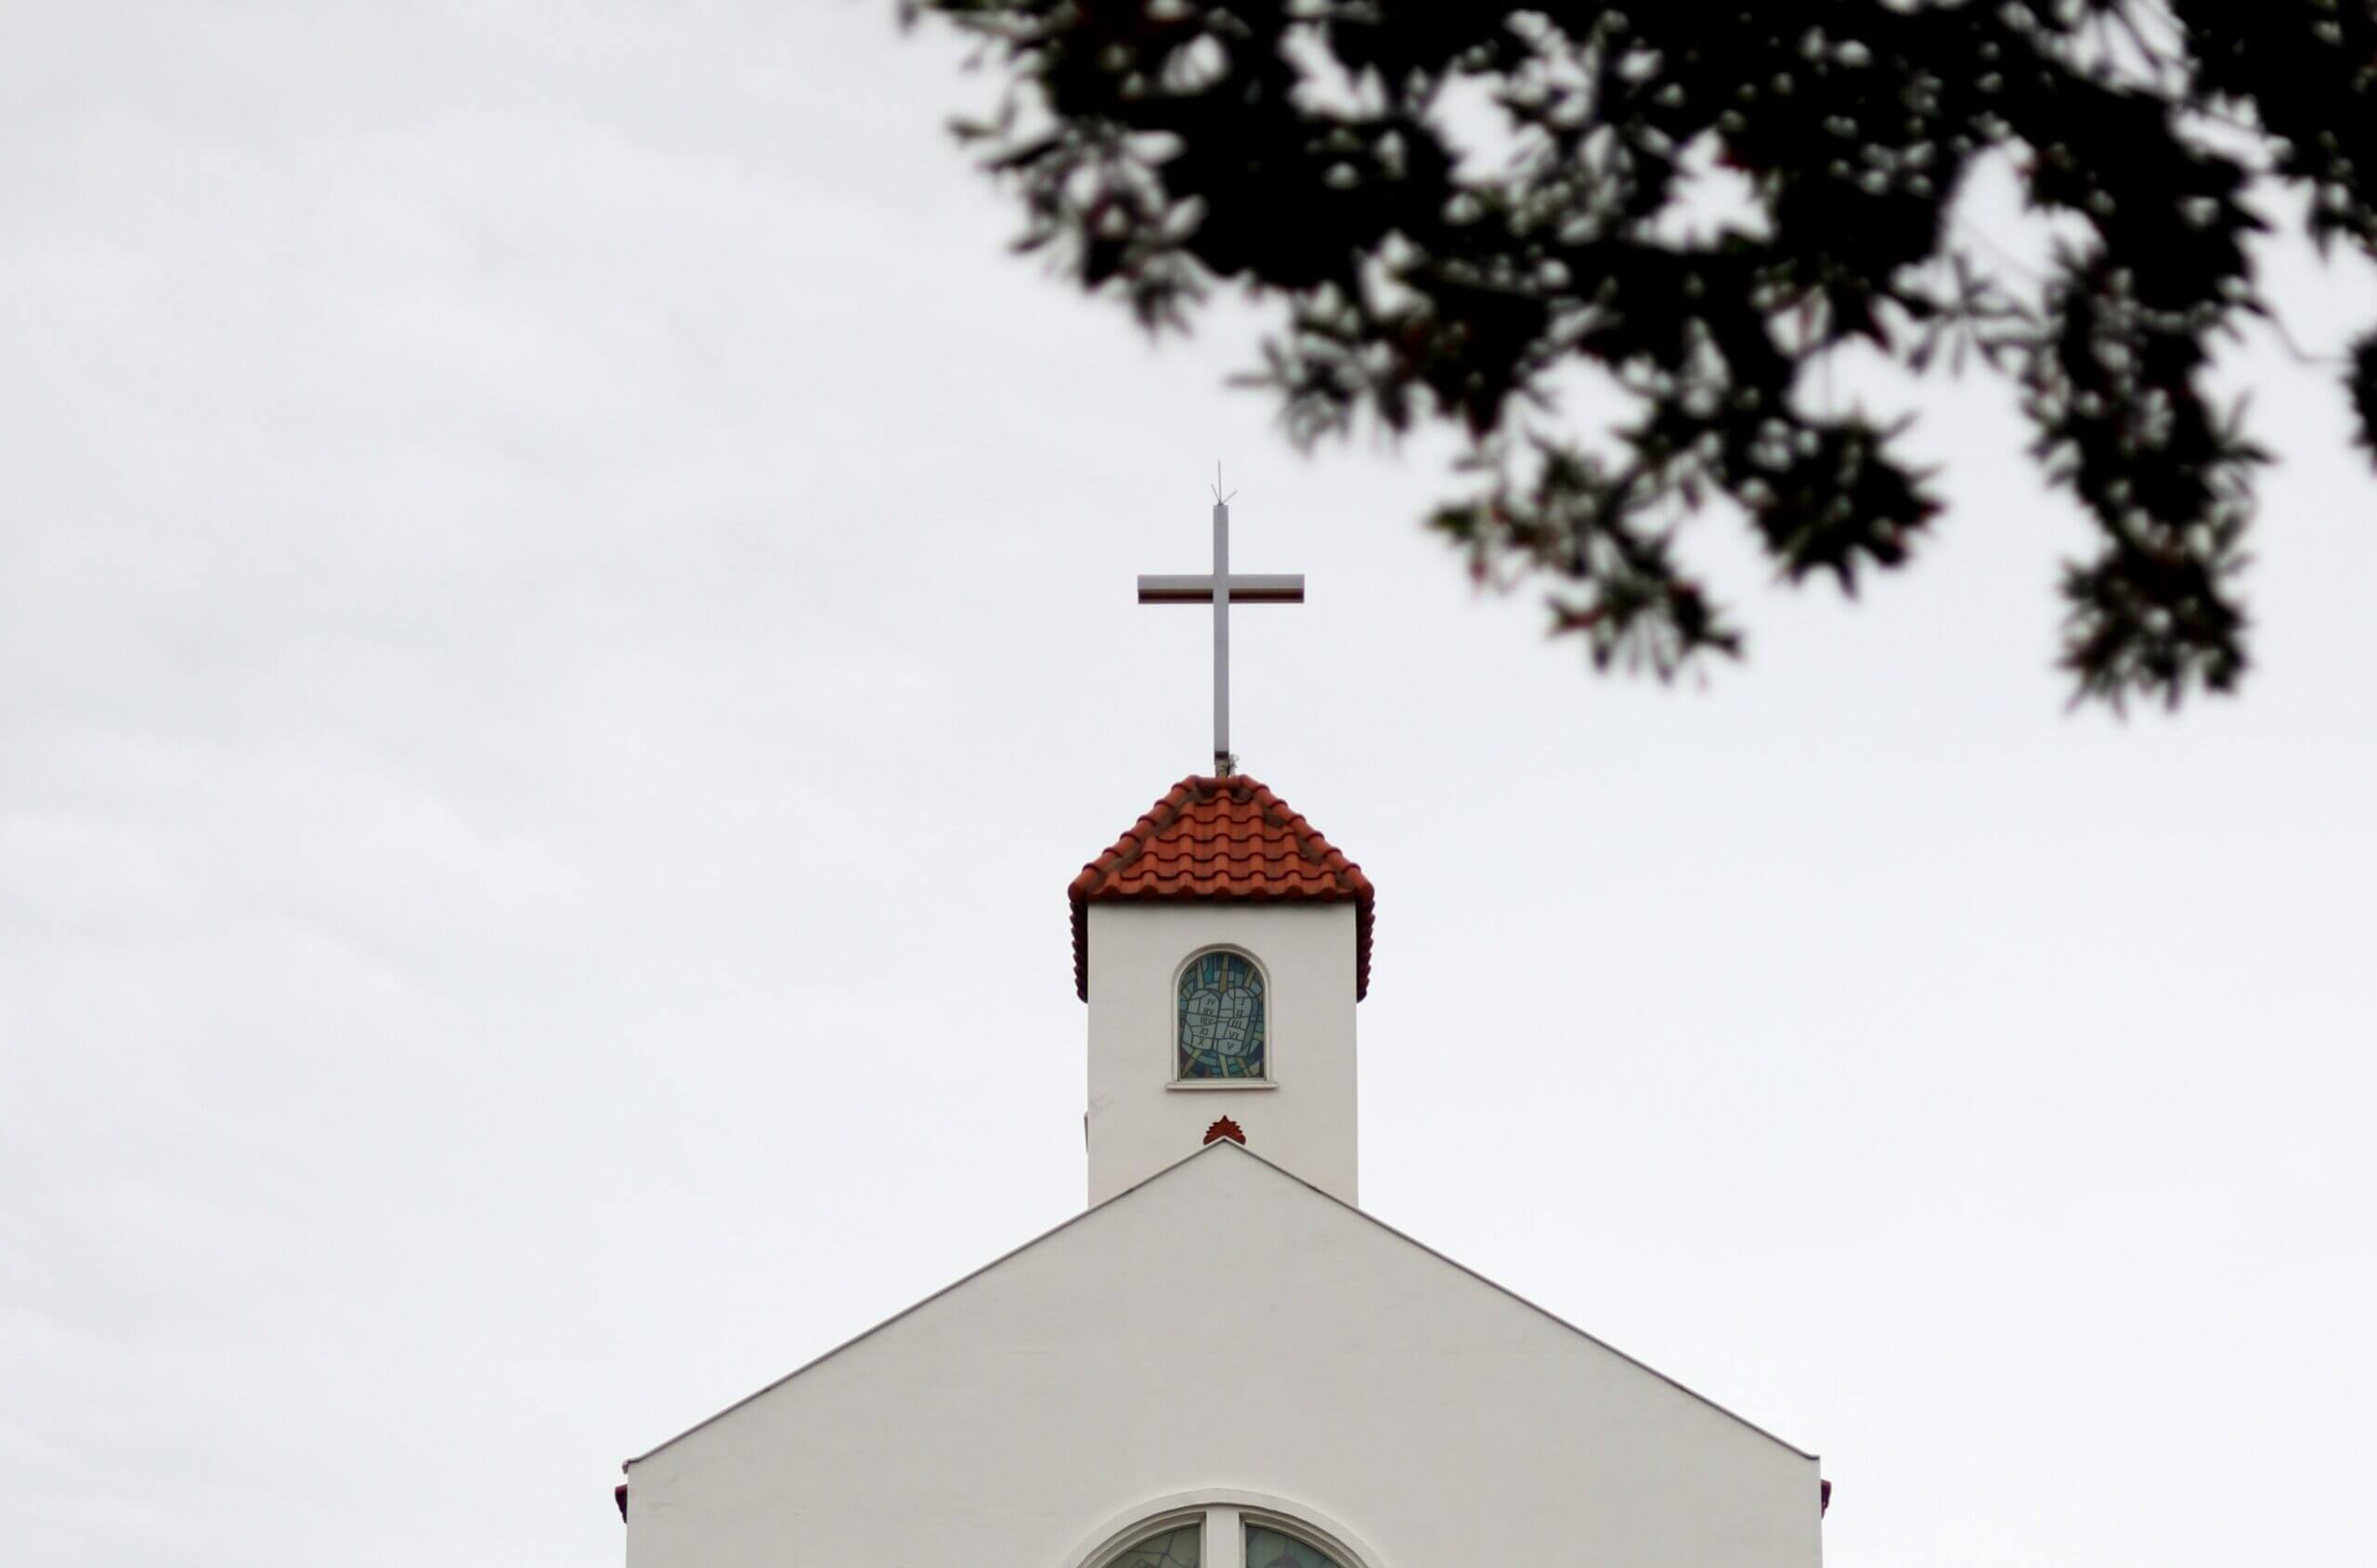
{"x": 1225, "y": 1128}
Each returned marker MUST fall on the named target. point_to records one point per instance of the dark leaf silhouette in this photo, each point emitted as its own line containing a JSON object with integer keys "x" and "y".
{"x": 1305, "y": 150}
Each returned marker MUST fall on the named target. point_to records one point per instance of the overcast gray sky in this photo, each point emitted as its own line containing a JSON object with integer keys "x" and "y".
{"x": 565, "y": 618}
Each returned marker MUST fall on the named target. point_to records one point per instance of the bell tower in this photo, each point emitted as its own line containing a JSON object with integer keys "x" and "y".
{"x": 1221, "y": 944}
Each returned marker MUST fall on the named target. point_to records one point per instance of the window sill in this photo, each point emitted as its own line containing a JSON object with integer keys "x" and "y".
{"x": 1204, "y": 1085}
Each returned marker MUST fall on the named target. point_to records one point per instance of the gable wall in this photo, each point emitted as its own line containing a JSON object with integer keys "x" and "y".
{"x": 1223, "y": 1327}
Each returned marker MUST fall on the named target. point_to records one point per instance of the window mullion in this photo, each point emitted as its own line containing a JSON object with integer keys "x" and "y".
{"x": 1225, "y": 1539}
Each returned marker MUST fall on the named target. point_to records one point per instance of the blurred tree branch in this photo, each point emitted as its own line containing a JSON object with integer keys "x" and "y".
{"x": 1305, "y": 150}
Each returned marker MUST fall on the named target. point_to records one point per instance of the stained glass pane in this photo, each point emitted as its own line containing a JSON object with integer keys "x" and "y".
{"x": 1221, "y": 1023}
{"x": 1172, "y": 1549}
{"x": 1266, "y": 1547}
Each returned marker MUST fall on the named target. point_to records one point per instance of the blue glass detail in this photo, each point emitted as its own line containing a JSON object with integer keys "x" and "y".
{"x": 1220, "y": 1025}
{"x": 1269, "y": 1548}
{"x": 1174, "y": 1548}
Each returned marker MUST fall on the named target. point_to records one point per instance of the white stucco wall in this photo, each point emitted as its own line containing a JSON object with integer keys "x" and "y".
{"x": 1139, "y": 1121}
{"x": 1223, "y": 1330}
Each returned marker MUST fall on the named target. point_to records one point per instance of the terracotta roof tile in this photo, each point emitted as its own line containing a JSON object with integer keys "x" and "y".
{"x": 1222, "y": 838}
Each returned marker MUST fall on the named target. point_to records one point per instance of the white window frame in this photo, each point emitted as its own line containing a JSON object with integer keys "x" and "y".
{"x": 1224, "y": 1515}
{"x": 1270, "y": 1078}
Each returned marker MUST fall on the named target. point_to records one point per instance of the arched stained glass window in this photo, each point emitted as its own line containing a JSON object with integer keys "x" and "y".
{"x": 1267, "y": 1548}
{"x": 1242, "y": 1529}
{"x": 1176, "y": 1548}
{"x": 1221, "y": 1023}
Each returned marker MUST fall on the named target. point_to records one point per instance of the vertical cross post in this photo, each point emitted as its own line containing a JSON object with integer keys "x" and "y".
{"x": 1221, "y": 637}
{"x": 1220, "y": 590}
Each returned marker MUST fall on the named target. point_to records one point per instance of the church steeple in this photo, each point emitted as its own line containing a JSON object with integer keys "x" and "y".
{"x": 1221, "y": 944}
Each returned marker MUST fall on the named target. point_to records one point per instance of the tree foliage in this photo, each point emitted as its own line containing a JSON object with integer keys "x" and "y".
{"x": 1457, "y": 201}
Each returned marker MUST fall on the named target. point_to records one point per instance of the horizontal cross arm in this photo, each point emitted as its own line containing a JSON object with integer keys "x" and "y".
{"x": 1273, "y": 588}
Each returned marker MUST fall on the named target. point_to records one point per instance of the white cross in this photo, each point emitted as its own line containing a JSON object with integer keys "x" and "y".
{"x": 1219, "y": 590}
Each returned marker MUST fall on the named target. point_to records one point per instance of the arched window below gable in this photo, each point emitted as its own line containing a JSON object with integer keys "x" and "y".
{"x": 1223, "y": 1533}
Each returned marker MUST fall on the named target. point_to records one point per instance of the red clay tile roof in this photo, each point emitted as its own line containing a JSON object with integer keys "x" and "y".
{"x": 1222, "y": 838}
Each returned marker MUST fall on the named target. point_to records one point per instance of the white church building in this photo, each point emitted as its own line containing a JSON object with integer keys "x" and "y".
{"x": 1223, "y": 1362}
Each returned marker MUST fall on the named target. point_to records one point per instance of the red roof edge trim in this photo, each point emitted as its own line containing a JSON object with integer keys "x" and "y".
{"x": 1215, "y": 837}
